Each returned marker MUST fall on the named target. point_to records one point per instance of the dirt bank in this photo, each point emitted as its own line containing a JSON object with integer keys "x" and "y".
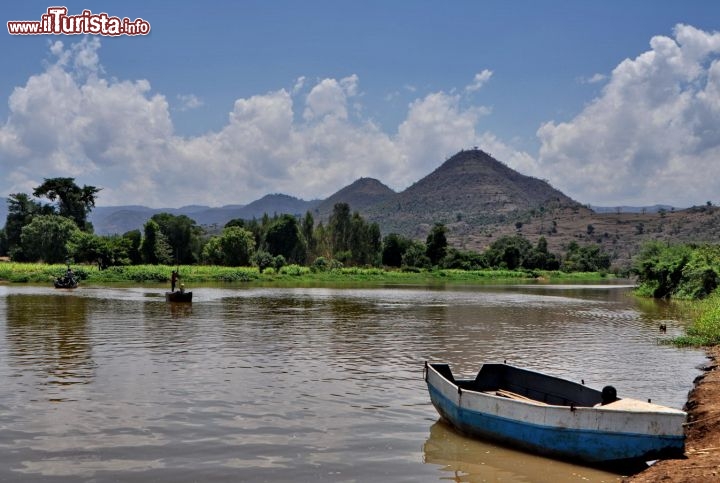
{"x": 702, "y": 444}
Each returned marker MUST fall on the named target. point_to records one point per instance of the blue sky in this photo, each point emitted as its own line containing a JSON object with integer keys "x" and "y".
{"x": 612, "y": 102}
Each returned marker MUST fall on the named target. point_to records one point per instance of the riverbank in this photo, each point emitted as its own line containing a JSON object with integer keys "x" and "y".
{"x": 702, "y": 444}
{"x": 196, "y": 274}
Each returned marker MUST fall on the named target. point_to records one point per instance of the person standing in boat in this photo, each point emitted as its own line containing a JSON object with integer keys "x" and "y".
{"x": 69, "y": 275}
{"x": 173, "y": 280}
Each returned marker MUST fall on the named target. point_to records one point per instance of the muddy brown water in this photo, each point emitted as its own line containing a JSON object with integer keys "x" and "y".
{"x": 302, "y": 384}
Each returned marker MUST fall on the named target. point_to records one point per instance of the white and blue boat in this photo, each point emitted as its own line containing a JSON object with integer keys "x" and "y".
{"x": 555, "y": 417}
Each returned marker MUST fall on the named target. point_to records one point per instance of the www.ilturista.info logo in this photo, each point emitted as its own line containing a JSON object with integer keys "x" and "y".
{"x": 57, "y": 22}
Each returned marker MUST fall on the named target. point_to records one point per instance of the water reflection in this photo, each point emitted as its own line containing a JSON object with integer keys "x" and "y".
{"x": 179, "y": 311}
{"x": 168, "y": 327}
{"x": 50, "y": 335}
{"x": 467, "y": 460}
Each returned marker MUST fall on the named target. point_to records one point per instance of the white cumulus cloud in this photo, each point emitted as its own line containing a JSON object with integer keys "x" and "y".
{"x": 189, "y": 101}
{"x": 69, "y": 120}
{"x": 479, "y": 80}
{"x": 436, "y": 126}
{"x": 330, "y": 98}
{"x": 652, "y": 134}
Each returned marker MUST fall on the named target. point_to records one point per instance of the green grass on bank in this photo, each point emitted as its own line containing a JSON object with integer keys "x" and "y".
{"x": 41, "y": 273}
{"x": 195, "y": 274}
{"x": 705, "y": 329}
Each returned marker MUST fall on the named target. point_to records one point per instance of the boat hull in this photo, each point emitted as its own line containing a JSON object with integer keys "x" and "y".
{"x": 181, "y": 297}
{"x": 587, "y": 434}
{"x": 60, "y": 283}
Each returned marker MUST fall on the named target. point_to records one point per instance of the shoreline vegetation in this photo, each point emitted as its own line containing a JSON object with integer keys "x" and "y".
{"x": 687, "y": 272}
{"x": 20, "y": 272}
{"x": 704, "y": 330}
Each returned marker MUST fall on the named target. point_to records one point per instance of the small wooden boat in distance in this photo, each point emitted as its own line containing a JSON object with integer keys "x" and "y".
{"x": 65, "y": 282}
{"x": 555, "y": 417}
{"x": 178, "y": 296}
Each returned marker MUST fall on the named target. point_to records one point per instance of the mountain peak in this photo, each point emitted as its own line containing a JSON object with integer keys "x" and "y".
{"x": 360, "y": 194}
{"x": 370, "y": 186}
{"x": 475, "y": 180}
{"x": 476, "y": 161}
{"x": 470, "y": 187}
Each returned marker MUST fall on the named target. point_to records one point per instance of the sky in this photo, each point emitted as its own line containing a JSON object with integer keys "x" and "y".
{"x": 614, "y": 102}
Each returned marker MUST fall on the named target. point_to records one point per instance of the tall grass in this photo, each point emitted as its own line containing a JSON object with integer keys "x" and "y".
{"x": 41, "y": 273}
{"x": 705, "y": 330}
{"x": 30, "y": 272}
{"x": 188, "y": 274}
{"x": 194, "y": 274}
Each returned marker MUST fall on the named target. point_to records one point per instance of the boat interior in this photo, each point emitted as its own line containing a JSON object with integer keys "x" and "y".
{"x": 528, "y": 386}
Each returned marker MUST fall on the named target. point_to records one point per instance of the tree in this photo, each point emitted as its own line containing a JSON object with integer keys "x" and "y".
{"x": 701, "y": 274}
{"x": 262, "y": 260}
{"x": 155, "y": 248}
{"x": 21, "y": 211}
{"x": 212, "y": 253}
{"x": 588, "y": 258}
{"x": 374, "y": 238}
{"x": 134, "y": 238}
{"x": 414, "y": 256}
{"x": 237, "y": 245}
{"x": 323, "y": 243}
{"x": 436, "y": 244}
{"x": 508, "y": 252}
{"x": 308, "y": 232}
{"x": 364, "y": 244}
{"x": 182, "y": 234}
{"x": 46, "y": 238}
{"x": 394, "y": 247}
{"x": 283, "y": 238}
{"x": 540, "y": 258}
{"x": 340, "y": 226}
{"x": 236, "y": 222}
{"x": 106, "y": 251}
{"x": 659, "y": 267}
{"x": 463, "y": 260}
{"x": 3, "y": 243}
{"x": 72, "y": 201}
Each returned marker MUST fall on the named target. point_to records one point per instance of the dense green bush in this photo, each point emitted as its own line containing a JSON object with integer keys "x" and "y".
{"x": 677, "y": 270}
{"x": 705, "y": 330}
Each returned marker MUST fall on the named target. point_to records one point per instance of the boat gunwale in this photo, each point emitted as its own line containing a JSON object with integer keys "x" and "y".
{"x": 530, "y": 401}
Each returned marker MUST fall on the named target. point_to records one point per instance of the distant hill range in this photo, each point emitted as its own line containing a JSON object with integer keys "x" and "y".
{"x": 477, "y": 197}
{"x": 632, "y": 209}
{"x": 121, "y": 219}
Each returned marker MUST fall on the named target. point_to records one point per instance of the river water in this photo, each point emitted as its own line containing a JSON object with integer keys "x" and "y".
{"x": 302, "y": 383}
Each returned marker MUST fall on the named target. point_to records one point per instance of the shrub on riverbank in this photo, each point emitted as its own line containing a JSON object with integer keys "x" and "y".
{"x": 685, "y": 271}
{"x": 705, "y": 330}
